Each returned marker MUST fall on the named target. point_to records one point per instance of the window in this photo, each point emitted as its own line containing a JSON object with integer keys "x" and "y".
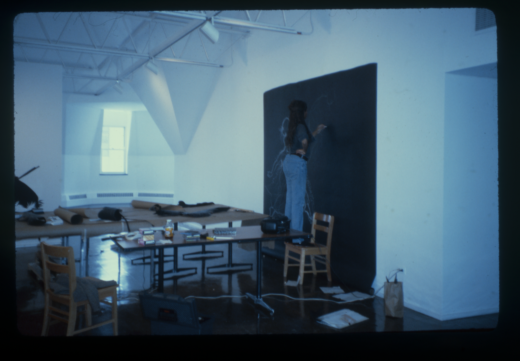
{"x": 114, "y": 141}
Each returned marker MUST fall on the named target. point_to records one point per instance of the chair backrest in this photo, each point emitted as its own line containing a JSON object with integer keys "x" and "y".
{"x": 327, "y": 229}
{"x": 48, "y": 265}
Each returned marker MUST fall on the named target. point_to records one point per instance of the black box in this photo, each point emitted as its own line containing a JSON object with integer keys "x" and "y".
{"x": 173, "y": 315}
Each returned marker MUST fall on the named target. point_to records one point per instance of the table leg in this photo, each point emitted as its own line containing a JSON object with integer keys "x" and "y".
{"x": 86, "y": 256}
{"x": 152, "y": 268}
{"x": 119, "y": 268}
{"x": 258, "y": 299}
{"x": 230, "y": 266}
{"x": 160, "y": 287}
{"x": 176, "y": 272}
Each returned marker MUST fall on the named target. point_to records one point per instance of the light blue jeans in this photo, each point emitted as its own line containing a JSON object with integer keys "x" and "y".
{"x": 295, "y": 170}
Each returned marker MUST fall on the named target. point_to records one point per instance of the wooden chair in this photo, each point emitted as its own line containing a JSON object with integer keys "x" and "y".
{"x": 317, "y": 252}
{"x": 69, "y": 318}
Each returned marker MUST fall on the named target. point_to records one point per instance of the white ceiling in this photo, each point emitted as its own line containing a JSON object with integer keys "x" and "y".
{"x": 99, "y": 49}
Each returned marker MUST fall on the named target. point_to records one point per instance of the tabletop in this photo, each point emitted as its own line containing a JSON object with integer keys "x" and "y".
{"x": 243, "y": 234}
{"x": 136, "y": 217}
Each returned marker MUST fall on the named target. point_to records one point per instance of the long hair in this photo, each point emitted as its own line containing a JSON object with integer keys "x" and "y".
{"x": 297, "y": 109}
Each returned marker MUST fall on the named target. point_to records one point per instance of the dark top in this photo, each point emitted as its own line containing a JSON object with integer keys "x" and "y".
{"x": 299, "y": 136}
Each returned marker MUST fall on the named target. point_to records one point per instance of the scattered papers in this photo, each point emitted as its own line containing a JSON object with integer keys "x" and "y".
{"x": 335, "y": 289}
{"x": 341, "y": 319}
{"x": 353, "y": 296}
{"x": 293, "y": 283}
{"x": 164, "y": 241}
{"x": 54, "y": 221}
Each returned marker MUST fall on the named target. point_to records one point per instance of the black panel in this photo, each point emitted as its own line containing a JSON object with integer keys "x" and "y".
{"x": 341, "y": 178}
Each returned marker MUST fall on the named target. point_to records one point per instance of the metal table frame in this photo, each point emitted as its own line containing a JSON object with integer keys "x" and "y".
{"x": 256, "y": 299}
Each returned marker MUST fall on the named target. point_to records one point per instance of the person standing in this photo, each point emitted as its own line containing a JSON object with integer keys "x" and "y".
{"x": 299, "y": 141}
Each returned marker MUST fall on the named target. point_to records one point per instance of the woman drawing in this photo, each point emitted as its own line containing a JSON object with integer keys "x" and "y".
{"x": 298, "y": 141}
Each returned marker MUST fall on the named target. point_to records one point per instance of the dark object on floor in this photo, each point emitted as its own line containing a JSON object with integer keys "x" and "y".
{"x": 173, "y": 315}
{"x": 23, "y": 194}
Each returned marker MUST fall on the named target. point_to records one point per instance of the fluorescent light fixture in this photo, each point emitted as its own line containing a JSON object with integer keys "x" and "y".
{"x": 210, "y": 31}
{"x": 118, "y": 87}
{"x": 152, "y": 67}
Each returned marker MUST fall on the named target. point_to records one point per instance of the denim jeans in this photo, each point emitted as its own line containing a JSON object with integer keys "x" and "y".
{"x": 295, "y": 170}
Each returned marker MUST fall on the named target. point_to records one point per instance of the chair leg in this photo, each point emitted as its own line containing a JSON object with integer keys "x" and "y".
{"x": 72, "y": 319}
{"x": 286, "y": 262}
{"x": 88, "y": 314}
{"x": 46, "y": 317}
{"x": 302, "y": 265}
{"x": 329, "y": 275}
{"x": 114, "y": 311}
{"x": 313, "y": 265}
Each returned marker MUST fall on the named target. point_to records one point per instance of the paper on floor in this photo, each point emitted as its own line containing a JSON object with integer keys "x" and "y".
{"x": 293, "y": 283}
{"x": 353, "y": 296}
{"x": 335, "y": 289}
{"x": 341, "y": 319}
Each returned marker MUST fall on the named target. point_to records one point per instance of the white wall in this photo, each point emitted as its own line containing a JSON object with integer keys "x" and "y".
{"x": 470, "y": 250}
{"x": 413, "y": 49}
{"x": 38, "y": 130}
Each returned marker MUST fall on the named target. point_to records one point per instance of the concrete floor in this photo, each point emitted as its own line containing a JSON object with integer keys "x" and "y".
{"x": 231, "y": 316}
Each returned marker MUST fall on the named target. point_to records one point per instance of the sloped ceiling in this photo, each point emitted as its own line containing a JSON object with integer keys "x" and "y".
{"x": 105, "y": 52}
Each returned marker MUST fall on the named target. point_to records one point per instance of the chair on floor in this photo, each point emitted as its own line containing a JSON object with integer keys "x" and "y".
{"x": 50, "y": 255}
{"x": 317, "y": 252}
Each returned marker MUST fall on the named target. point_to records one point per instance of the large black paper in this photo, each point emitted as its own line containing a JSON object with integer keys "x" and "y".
{"x": 341, "y": 179}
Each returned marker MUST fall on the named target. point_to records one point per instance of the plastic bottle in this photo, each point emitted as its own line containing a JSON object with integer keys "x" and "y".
{"x": 168, "y": 229}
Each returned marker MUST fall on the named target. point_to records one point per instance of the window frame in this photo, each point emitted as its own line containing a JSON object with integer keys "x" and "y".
{"x": 116, "y": 119}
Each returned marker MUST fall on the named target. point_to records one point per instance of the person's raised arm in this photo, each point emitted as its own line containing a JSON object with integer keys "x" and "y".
{"x": 318, "y": 130}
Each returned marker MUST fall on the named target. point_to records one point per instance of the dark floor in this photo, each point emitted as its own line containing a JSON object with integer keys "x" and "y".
{"x": 236, "y": 315}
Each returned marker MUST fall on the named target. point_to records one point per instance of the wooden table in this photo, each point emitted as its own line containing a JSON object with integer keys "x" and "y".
{"x": 136, "y": 217}
{"x": 243, "y": 235}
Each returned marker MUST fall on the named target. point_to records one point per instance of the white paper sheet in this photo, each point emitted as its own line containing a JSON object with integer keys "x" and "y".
{"x": 341, "y": 319}
{"x": 293, "y": 283}
{"x": 329, "y": 290}
{"x": 352, "y": 296}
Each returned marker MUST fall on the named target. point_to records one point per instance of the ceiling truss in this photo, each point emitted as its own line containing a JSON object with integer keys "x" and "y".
{"x": 111, "y": 50}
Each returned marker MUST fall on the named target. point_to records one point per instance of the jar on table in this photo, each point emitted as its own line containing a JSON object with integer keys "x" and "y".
{"x": 168, "y": 229}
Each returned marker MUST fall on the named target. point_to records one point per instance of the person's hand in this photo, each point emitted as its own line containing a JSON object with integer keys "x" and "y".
{"x": 300, "y": 152}
{"x": 320, "y": 128}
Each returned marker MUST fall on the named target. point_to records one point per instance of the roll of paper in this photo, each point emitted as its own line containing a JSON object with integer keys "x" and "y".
{"x": 68, "y": 216}
{"x": 148, "y": 205}
{"x": 86, "y": 212}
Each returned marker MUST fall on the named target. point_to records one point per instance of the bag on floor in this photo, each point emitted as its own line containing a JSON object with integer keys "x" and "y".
{"x": 394, "y": 304}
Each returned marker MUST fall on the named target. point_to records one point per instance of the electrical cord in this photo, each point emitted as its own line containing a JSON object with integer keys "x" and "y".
{"x": 275, "y": 294}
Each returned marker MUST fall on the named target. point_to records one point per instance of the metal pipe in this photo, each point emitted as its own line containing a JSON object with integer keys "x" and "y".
{"x": 88, "y": 77}
{"x": 54, "y": 63}
{"x": 86, "y": 49}
{"x": 229, "y": 21}
{"x": 172, "y": 21}
{"x": 190, "y": 62}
